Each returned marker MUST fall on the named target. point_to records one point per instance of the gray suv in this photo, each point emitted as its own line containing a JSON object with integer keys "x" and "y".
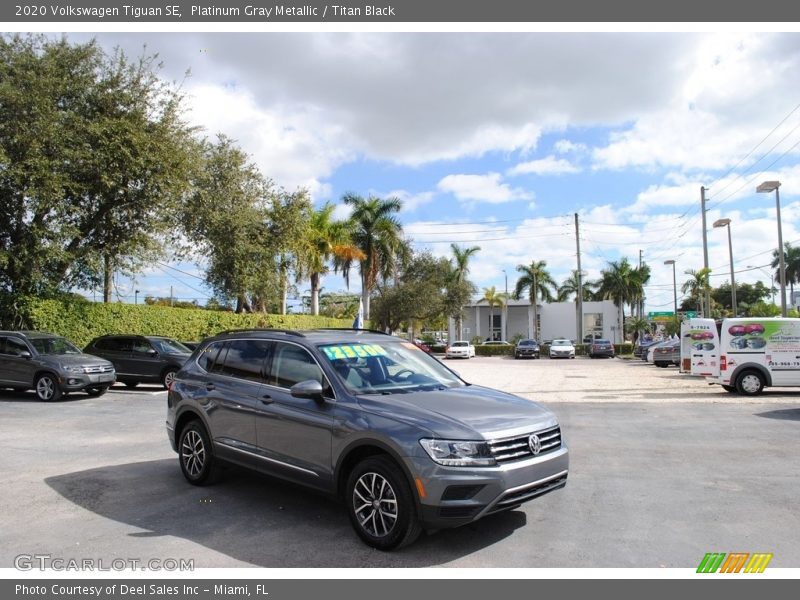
{"x": 370, "y": 418}
{"x": 51, "y": 365}
{"x": 141, "y": 359}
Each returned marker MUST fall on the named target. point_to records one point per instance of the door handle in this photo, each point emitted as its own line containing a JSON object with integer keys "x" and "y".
{"x": 210, "y": 387}
{"x": 267, "y": 399}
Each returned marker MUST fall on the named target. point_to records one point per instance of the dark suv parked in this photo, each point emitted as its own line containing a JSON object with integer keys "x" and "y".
{"x": 50, "y": 365}
{"x": 400, "y": 438}
{"x": 141, "y": 359}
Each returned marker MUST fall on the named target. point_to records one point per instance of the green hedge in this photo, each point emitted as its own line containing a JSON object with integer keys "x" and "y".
{"x": 494, "y": 350}
{"x": 82, "y": 321}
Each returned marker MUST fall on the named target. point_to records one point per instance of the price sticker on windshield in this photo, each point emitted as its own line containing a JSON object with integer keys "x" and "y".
{"x": 353, "y": 351}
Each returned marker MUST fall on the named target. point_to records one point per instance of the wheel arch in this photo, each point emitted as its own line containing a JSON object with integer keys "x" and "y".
{"x": 752, "y": 367}
{"x": 358, "y": 451}
{"x": 185, "y": 416}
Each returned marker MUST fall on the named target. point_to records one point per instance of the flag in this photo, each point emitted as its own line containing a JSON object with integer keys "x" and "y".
{"x": 359, "y": 320}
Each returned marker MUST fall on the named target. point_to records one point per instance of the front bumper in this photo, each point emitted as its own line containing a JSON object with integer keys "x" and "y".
{"x": 75, "y": 382}
{"x": 527, "y": 353}
{"x": 456, "y": 496}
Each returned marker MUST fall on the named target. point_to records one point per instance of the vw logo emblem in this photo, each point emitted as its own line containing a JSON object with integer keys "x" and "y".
{"x": 535, "y": 444}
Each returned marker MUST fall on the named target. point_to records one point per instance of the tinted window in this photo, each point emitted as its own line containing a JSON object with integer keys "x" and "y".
{"x": 54, "y": 345}
{"x": 12, "y": 346}
{"x": 208, "y": 356}
{"x": 114, "y": 344}
{"x": 141, "y": 346}
{"x": 245, "y": 359}
{"x": 293, "y": 364}
{"x": 167, "y": 345}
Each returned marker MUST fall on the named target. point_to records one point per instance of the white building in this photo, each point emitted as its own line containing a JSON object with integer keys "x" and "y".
{"x": 556, "y": 320}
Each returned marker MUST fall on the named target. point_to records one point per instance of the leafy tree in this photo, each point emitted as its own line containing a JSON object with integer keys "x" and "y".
{"x": 540, "y": 285}
{"x": 634, "y": 325}
{"x": 422, "y": 293}
{"x": 763, "y": 309}
{"x": 94, "y": 155}
{"x": 747, "y": 294}
{"x": 378, "y": 234}
{"x": 244, "y": 229}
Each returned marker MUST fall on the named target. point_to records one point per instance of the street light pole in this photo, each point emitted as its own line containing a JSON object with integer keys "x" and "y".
{"x": 727, "y": 223}
{"x": 767, "y": 187}
{"x": 707, "y": 299}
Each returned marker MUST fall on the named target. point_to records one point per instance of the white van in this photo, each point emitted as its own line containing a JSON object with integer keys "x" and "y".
{"x": 745, "y": 355}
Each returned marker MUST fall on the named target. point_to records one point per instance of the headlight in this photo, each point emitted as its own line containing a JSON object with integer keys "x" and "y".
{"x": 74, "y": 369}
{"x": 458, "y": 453}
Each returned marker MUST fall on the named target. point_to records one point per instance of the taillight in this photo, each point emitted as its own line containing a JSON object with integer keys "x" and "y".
{"x": 723, "y": 363}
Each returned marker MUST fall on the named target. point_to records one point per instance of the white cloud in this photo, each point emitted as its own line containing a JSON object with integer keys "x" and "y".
{"x": 544, "y": 166}
{"x": 411, "y": 202}
{"x": 482, "y": 188}
{"x": 567, "y": 147}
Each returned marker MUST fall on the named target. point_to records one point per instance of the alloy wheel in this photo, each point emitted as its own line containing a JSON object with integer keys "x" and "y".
{"x": 193, "y": 453}
{"x": 375, "y": 504}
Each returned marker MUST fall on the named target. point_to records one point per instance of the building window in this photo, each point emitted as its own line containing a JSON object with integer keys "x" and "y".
{"x": 592, "y": 326}
{"x": 496, "y": 330}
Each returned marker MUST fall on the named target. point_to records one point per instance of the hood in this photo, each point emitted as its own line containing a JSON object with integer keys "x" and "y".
{"x": 471, "y": 412}
{"x": 74, "y": 359}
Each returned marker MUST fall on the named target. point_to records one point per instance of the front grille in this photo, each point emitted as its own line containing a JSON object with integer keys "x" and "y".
{"x": 98, "y": 369}
{"x": 517, "y": 448}
{"x": 513, "y": 499}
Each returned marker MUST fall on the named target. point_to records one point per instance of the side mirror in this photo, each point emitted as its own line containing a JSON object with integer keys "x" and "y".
{"x": 151, "y": 352}
{"x": 307, "y": 389}
{"x": 25, "y": 354}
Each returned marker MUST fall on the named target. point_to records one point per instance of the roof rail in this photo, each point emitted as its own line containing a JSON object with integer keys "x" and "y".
{"x": 267, "y": 329}
{"x": 351, "y": 329}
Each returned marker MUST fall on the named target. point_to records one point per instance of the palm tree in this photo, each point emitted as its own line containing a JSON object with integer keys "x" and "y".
{"x": 570, "y": 287}
{"x": 540, "y": 285}
{"x": 378, "y": 234}
{"x": 697, "y": 285}
{"x": 618, "y": 283}
{"x": 791, "y": 262}
{"x": 324, "y": 239}
{"x": 460, "y": 270}
{"x": 493, "y": 298}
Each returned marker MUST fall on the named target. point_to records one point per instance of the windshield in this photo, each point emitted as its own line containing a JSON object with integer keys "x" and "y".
{"x": 602, "y": 342}
{"x": 166, "y": 345}
{"x": 527, "y": 343}
{"x": 460, "y": 344}
{"x": 387, "y": 368}
{"x": 562, "y": 343}
{"x": 53, "y": 345}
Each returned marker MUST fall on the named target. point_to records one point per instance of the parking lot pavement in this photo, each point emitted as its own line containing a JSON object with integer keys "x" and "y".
{"x": 600, "y": 380}
{"x": 656, "y": 479}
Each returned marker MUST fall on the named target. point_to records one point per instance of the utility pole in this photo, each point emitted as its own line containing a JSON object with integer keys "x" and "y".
{"x": 640, "y": 307}
{"x": 707, "y": 302}
{"x": 171, "y": 299}
{"x": 579, "y": 301}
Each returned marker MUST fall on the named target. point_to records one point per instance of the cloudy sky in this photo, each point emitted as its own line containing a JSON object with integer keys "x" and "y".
{"x": 497, "y": 139}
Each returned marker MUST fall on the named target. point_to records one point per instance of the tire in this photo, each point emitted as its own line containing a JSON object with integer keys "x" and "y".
{"x": 130, "y": 384}
{"x": 660, "y": 364}
{"x": 168, "y": 376}
{"x": 750, "y": 383}
{"x": 729, "y": 388}
{"x": 196, "y": 455}
{"x": 96, "y": 392}
{"x": 47, "y": 388}
{"x": 379, "y": 480}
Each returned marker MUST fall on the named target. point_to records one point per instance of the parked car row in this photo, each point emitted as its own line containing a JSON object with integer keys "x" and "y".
{"x": 661, "y": 353}
{"x": 53, "y": 366}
